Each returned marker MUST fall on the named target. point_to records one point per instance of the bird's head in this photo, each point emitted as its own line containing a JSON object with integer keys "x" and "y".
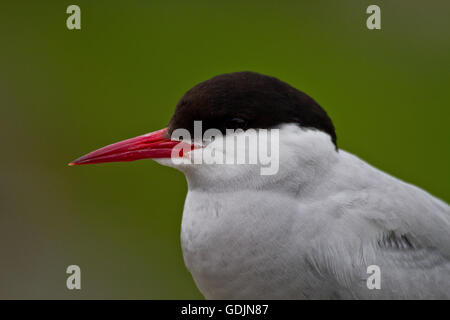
{"x": 212, "y": 134}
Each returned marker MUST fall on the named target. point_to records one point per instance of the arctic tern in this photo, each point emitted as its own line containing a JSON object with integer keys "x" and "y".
{"x": 310, "y": 231}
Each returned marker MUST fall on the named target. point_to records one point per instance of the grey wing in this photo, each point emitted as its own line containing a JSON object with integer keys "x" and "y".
{"x": 408, "y": 238}
{"x": 402, "y": 230}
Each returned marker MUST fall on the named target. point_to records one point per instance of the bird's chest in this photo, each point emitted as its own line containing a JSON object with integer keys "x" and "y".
{"x": 237, "y": 245}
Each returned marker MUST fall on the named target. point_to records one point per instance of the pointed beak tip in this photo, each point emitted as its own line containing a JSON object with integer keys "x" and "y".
{"x": 152, "y": 145}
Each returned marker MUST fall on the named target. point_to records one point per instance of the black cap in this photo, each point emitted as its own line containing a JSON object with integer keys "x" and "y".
{"x": 248, "y": 100}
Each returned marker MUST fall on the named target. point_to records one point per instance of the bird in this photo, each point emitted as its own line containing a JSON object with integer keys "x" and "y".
{"x": 313, "y": 230}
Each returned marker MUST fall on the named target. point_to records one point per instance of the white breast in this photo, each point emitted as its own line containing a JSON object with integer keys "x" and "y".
{"x": 236, "y": 248}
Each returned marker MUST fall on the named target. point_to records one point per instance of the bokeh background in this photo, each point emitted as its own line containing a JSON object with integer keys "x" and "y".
{"x": 64, "y": 93}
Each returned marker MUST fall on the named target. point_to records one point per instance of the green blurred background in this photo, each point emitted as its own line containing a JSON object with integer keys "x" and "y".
{"x": 64, "y": 93}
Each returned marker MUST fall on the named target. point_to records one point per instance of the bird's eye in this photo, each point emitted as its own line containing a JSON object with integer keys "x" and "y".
{"x": 236, "y": 123}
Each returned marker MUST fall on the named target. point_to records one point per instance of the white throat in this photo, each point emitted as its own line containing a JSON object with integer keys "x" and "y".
{"x": 303, "y": 155}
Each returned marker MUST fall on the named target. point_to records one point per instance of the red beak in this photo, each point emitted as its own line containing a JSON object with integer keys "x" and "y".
{"x": 151, "y": 145}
